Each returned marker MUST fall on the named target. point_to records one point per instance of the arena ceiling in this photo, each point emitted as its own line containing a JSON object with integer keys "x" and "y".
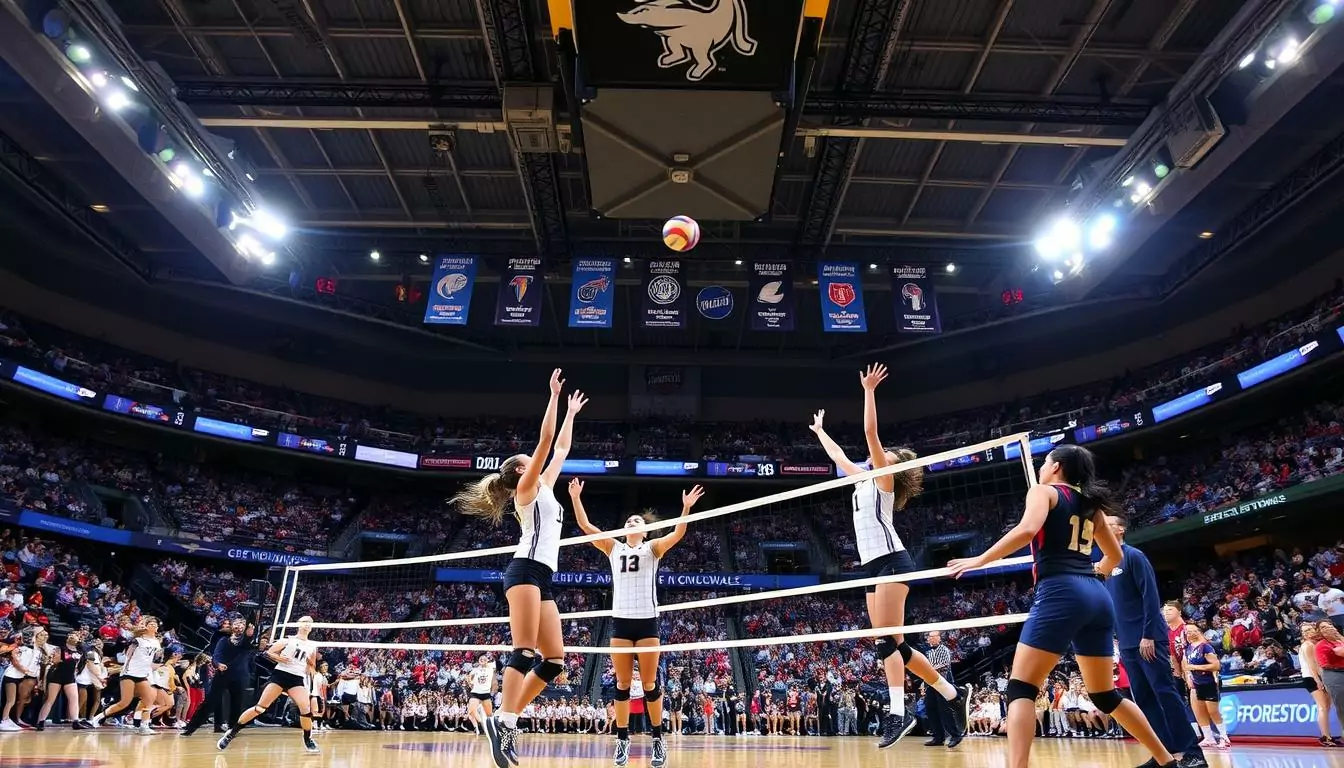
{"x": 968, "y": 123}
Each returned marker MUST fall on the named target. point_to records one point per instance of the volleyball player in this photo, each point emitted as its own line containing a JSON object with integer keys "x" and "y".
{"x": 634, "y": 582}
{"x": 317, "y": 696}
{"x": 1064, "y": 515}
{"x": 295, "y": 659}
{"x": 882, "y": 554}
{"x": 526, "y": 483}
{"x": 1202, "y": 666}
{"x": 483, "y": 683}
{"x": 143, "y": 655}
{"x": 21, "y": 676}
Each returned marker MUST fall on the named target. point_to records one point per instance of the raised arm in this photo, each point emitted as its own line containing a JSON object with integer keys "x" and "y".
{"x": 832, "y": 448}
{"x": 565, "y": 440}
{"x": 870, "y": 378}
{"x": 1039, "y": 500}
{"x": 662, "y": 544}
{"x": 527, "y": 484}
{"x": 581, "y": 516}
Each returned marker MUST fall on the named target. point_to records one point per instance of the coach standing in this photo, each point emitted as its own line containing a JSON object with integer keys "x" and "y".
{"x": 1142, "y": 635}
{"x": 232, "y": 660}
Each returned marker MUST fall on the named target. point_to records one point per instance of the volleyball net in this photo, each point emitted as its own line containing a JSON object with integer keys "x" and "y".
{"x": 726, "y": 586}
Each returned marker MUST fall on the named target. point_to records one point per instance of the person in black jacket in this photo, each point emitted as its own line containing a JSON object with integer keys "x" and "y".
{"x": 231, "y": 659}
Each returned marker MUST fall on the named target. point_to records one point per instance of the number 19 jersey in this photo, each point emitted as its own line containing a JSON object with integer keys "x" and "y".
{"x": 1064, "y": 543}
{"x": 634, "y": 581}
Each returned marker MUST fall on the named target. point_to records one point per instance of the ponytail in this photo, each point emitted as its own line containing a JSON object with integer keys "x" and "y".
{"x": 1080, "y": 470}
{"x": 484, "y": 498}
{"x": 910, "y": 483}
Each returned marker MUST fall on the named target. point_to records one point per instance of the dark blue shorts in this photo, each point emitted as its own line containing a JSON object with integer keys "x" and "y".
{"x": 1071, "y": 610}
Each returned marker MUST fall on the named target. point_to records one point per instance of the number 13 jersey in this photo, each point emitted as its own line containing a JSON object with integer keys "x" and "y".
{"x": 634, "y": 581}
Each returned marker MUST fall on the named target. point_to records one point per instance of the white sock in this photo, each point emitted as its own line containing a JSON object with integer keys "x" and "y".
{"x": 897, "y": 705}
{"x": 948, "y": 690}
{"x": 1207, "y": 730}
{"x": 509, "y": 719}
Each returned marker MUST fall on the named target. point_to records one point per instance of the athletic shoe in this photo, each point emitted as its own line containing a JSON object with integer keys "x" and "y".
{"x": 894, "y": 728}
{"x": 41, "y": 725}
{"x": 1193, "y": 759}
{"x": 960, "y": 709}
{"x": 80, "y": 725}
{"x": 622, "y": 752}
{"x": 146, "y": 729}
{"x": 1224, "y": 743}
{"x": 496, "y": 732}
{"x": 224, "y": 740}
{"x": 9, "y": 726}
{"x": 310, "y": 746}
{"x": 659, "y": 754}
{"x": 1208, "y": 743}
{"x": 934, "y": 743}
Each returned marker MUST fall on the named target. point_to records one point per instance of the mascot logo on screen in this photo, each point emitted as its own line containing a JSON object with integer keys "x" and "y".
{"x": 1229, "y": 708}
{"x": 692, "y": 33}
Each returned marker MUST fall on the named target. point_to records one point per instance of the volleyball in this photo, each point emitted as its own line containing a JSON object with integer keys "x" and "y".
{"x": 681, "y": 233}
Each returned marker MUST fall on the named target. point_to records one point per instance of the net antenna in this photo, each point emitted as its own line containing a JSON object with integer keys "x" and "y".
{"x": 298, "y": 577}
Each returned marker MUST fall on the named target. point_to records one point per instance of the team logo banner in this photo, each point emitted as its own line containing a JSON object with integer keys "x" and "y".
{"x": 450, "y": 290}
{"x": 664, "y": 302}
{"x": 714, "y": 302}
{"x": 841, "y": 297}
{"x": 771, "y": 292}
{"x": 746, "y": 44}
{"x": 593, "y": 294}
{"x": 914, "y": 300}
{"x": 520, "y": 290}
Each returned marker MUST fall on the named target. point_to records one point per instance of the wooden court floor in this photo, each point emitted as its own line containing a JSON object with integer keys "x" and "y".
{"x": 273, "y": 747}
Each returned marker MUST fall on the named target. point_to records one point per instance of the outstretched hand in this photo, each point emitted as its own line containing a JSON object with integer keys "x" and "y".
{"x": 576, "y": 401}
{"x": 688, "y": 498}
{"x": 964, "y": 564}
{"x": 575, "y": 488}
{"x": 874, "y": 375}
{"x": 817, "y": 419}
{"x": 557, "y": 383}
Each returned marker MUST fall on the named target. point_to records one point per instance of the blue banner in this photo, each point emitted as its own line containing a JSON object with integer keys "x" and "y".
{"x": 231, "y": 431}
{"x": 841, "y": 297}
{"x": 80, "y": 529}
{"x": 914, "y": 300}
{"x": 1186, "y": 403}
{"x": 665, "y": 579}
{"x": 1273, "y": 712}
{"x": 664, "y": 302}
{"x": 520, "y": 293}
{"x": 663, "y": 468}
{"x": 771, "y": 293}
{"x": 1277, "y": 366}
{"x": 54, "y": 386}
{"x": 450, "y": 290}
{"x": 593, "y": 293}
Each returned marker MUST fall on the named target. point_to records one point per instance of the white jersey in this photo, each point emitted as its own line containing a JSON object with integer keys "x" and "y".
{"x": 634, "y": 581}
{"x": 27, "y": 656}
{"x": 873, "y": 526}
{"x": 317, "y": 684}
{"x": 296, "y": 654}
{"x": 481, "y": 679}
{"x": 159, "y": 677}
{"x": 541, "y": 522}
{"x": 140, "y": 656}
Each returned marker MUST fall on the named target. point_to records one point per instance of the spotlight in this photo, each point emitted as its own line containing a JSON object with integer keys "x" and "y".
{"x": 98, "y": 79}
{"x": 737, "y": 262}
{"x": 249, "y": 246}
{"x": 116, "y": 100}
{"x": 872, "y": 266}
{"x": 1246, "y": 60}
{"x": 79, "y": 54}
{"x": 951, "y": 268}
{"x": 269, "y": 258}
{"x": 1101, "y": 231}
{"x": 129, "y": 83}
{"x": 1057, "y": 275}
{"x": 269, "y": 225}
{"x": 1142, "y": 190}
{"x": 194, "y": 186}
{"x": 424, "y": 258}
{"x": 627, "y": 259}
{"x": 167, "y": 154}
{"x": 375, "y": 255}
{"x": 1063, "y": 236}
{"x": 1161, "y": 169}
{"x": 1322, "y": 13}
{"x": 1206, "y": 235}
{"x": 1288, "y": 52}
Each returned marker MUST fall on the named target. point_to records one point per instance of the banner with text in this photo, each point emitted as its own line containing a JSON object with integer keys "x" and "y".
{"x": 520, "y": 293}
{"x": 915, "y": 302}
{"x": 450, "y": 290}
{"x": 593, "y": 293}
{"x": 841, "y": 297}
{"x": 1289, "y": 495}
{"x": 665, "y": 579}
{"x": 664, "y": 302}
{"x": 771, "y": 292}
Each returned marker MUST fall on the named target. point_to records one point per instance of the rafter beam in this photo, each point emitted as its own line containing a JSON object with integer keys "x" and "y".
{"x": 484, "y": 97}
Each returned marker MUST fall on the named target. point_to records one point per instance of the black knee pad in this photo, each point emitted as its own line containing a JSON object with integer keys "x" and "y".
{"x": 1018, "y": 689}
{"x": 905, "y": 650}
{"x": 885, "y": 647}
{"x": 1106, "y": 701}
{"x": 653, "y": 694}
{"x": 549, "y": 670}
{"x": 522, "y": 659}
{"x": 622, "y": 694}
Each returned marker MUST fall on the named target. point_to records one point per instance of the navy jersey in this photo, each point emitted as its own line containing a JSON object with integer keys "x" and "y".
{"x": 1196, "y": 654}
{"x": 1064, "y": 543}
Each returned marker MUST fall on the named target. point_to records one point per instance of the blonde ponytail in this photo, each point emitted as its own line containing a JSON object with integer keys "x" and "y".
{"x": 910, "y": 483}
{"x": 485, "y": 498}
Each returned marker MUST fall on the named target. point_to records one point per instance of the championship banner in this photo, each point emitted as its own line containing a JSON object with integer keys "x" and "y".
{"x": 915, "y": 302}
{"x": 841, "y": 297}
{"x": 450, "y": 291}
{"x": 593, "y": 293}
{"x": 664, "y": 302}
{"x": 520, "y": 291}
{"x": 771, "y": 291}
